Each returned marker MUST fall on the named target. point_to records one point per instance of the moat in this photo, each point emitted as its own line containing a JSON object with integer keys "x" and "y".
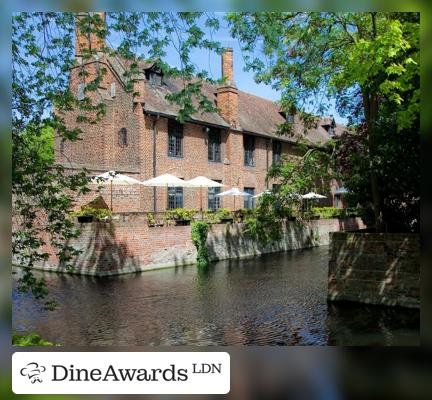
{"x": 276, "y": 299}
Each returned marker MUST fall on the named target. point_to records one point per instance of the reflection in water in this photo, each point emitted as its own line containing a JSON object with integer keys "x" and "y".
{"x": 276, "y": 299}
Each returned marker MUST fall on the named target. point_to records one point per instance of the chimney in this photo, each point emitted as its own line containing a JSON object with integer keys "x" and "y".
{"x": 227, "y": 64}
{"x": 227, "y": 93}
{"x": 89, "y": 40}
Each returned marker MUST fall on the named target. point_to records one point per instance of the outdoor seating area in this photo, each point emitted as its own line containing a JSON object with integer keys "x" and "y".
{"x": 98, "y": 209}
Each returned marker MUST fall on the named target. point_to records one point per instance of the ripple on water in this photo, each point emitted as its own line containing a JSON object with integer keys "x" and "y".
{"x": 276, "y": 299}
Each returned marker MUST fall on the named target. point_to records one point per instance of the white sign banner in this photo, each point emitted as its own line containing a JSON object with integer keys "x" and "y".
{"x": 120, "y": 373}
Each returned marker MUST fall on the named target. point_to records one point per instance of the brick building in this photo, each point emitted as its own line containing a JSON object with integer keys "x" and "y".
{"x": 140, "y": 137}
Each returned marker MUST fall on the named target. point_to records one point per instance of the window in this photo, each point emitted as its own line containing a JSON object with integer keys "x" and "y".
{"x": 175, "y": 197}
{"x": 122, "y": 137}
{"x": 249, "y": 148}
{"x": 62, "y": 145}
{"x": 175, "y": 139}
{"x": 80, "y": 91}
{"x": 290, "y": 118}
{"x": 276, "y": 187}
{"x": 249, "y": 202}
{"x": 277, "y": 150}
{"x": 214, "y": 145}
{"x": 155, "y": 79}
{"x": 214, "y": 202}
{"x": 113, "y": 89}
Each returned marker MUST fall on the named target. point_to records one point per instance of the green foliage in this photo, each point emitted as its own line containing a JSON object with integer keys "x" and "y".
{"x": 327, "y": 212}
{"x": 43, "y": 55}
{"x": 369, "y": 62}
{"x": 182, "y": 214}
{"x": 151, "y": 218}
{"x": 243, "y": 214}
{"x": 211, "y": 217}
{"x": 199, "y": 239}
{"x": 99, "y": 214}
{"x": 224, "y": 213}
{"x": 32, "y": 339}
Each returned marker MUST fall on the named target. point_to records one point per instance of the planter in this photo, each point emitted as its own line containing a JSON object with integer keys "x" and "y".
{"x": 182, "y": 222}
{"x": 226, "y": 220}
{"x": 83, "y": 219}
{"x": 153, "y": 225}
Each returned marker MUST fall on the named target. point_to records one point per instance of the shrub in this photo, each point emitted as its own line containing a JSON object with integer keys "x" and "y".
{"x": 151, "y": 218}
{"x": 211, "y": 217}
{"x": 224, "y": 213}
{"x": 199, "y": 239}
{"x": 245, "y": 213}
{"x": 183, "y": 214}
{"x": 33, "y": 339}
{"x": 327, "y": 212}
{"x": 332, "y": 212}
{"x": 99, "y": 214}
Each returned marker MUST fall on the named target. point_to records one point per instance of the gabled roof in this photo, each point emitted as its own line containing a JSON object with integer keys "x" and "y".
{"x": 257, "y": 115}
{"x": 155, "y": 101}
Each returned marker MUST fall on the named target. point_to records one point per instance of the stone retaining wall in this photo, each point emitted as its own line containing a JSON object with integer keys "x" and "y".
{"x": 127, "y": 244}
{"x": 375, "y": 268}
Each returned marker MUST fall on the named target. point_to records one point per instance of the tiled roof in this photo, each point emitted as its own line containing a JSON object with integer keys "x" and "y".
{"x": 157, "y": 103}
{"x": 257, "y": 115}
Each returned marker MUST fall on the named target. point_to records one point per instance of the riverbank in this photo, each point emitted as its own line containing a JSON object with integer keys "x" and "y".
{"x": 127, "y": 244}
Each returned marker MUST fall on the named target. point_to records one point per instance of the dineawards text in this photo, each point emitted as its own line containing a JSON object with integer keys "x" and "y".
{"x": 112, "y": 374}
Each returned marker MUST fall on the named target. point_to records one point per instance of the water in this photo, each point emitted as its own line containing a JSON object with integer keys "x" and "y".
{"x": 276, "y": 299}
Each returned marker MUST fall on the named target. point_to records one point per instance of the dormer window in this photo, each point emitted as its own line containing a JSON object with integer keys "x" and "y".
{"x": 290, "y": 118}
{"x": 331, "y": 128}
{"x": 155, "y": 78}
{"x": 80, "y": 91}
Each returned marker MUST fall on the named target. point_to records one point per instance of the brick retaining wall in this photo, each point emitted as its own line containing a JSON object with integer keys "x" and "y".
{"x": 375, "y": 268}
{"x": 127, "y": 244}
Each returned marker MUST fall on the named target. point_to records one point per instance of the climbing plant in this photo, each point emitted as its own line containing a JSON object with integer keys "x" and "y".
{"x": 199, "y": 239}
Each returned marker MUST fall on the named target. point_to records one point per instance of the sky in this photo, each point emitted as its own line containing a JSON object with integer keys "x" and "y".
{"x": 211, "y": 62}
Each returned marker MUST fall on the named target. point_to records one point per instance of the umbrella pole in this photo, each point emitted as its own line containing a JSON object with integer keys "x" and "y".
{"x": 111, "y": 194}
{"x": 201, "y": 209}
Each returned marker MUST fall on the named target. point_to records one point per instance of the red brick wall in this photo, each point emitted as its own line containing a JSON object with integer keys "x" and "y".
{"x": 98, "y": 149}
{"x": 127, "y": 244}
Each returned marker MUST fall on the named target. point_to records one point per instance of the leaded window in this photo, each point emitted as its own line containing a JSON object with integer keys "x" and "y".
{"x": 249, "y": 150}
{"x": 175, "y": 197}
{"x": 123, "y": 137}
{"x": 277, "y": 151}
{"x": 214, "y": 145}
{"x": 249, "y": 202}
{"x": 175, "y": 139}
{"x": 214, "y": 201}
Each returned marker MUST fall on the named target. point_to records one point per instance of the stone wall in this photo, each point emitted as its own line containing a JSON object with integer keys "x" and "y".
{"x": 127, "y": 244}
{"x": 375, "y": 268}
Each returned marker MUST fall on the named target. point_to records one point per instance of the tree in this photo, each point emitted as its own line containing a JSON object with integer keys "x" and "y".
{"x": 369, "y": 62}
{"x": 43, "y": 54}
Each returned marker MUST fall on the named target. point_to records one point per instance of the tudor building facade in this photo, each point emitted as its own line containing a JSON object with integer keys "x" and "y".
{"x": 140, "y": 137}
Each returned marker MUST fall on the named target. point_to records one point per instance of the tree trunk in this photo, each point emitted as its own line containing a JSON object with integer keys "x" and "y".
{"x": 371, "y": 113}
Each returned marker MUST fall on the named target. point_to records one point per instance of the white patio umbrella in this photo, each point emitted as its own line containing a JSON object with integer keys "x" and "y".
{"x": 341, "y": 190}
{"x": 166, "y": 180}
{"x": 114, "y": 178}
{"x": 262, "y": 193}
{"x": 234, "y": 192}
{"x": 313, "y": 195}
{"x": 201, "y": 182}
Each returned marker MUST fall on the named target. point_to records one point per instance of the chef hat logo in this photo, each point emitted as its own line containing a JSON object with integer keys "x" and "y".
{"x": 32, "y": 371}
